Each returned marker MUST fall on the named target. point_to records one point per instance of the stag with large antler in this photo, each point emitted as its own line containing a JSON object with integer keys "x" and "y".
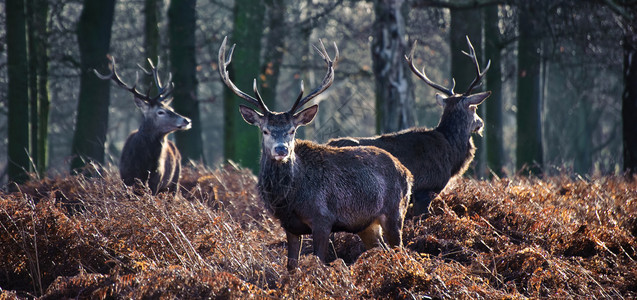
{"x": 148, "y": 157}
{"x": 317, "y": 189}
{"x": 434, "y": 156}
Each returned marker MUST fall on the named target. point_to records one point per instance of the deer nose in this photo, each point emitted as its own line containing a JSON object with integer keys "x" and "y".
{"x": 281, "y": 150}
{"x": 186, "y": 123}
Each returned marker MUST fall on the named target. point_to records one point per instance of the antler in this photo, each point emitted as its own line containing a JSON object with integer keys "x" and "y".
{"x": 223, "y": 71}
{"x": 476, "y": 82}
{"x": 327, "y": 80}
{"x": 423, "y": 76}
{"x": 163, "y": 91}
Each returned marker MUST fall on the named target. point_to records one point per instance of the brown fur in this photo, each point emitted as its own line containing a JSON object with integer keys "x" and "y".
{"x": 317, "y": 189}
{"x": 432, "y": 156}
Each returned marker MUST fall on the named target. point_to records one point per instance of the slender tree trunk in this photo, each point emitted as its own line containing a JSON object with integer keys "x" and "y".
{"x": 275, "y": 43}
{"x": 42, "y": 48}
{"x": 33, "y": 81}
{"x": 17, "y": 67}
{"x": 242, "y": 143}
{"x": 37, "y": 16}
{"x": 182, "y": 23}
{"x": 151, "y": 37}
{"x": 468, "y": 22}
{"x": 529, "y": 153}
{"x": 629, "y": 102}
{"x": 493, "y": 120}
{"x": 94, "y": 36}
{"x": 394, "y": 89}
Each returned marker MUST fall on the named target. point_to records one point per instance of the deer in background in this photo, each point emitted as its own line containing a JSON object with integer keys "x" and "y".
{"x": 148, "y": 156}
{"x": 317, "y": 189}
{"x": 434, "y": 156}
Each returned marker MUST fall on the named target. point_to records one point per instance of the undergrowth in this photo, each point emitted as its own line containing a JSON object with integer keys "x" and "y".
{"x": 94, "y": 238}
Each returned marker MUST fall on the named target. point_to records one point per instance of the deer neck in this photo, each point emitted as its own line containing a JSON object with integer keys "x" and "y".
{"x": 276, "y": 181}
{"x": 455, "y": 128}
{"x": 151, "y": 134}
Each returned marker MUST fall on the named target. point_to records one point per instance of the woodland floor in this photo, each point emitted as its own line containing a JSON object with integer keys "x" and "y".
{"x": 93, "y": 238}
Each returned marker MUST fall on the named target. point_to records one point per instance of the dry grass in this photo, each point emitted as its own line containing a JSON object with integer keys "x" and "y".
{"x": 94, "y": 238}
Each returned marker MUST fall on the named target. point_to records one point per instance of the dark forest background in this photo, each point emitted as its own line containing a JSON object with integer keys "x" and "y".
{"x": 562, "y": 74}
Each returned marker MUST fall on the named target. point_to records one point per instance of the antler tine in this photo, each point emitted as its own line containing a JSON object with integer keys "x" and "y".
{"x": 477, "y": 81}
{"x": 115, "y": 77}
{"x": 327, "y": 80}
{"x": 422, "y": 75}
{"x": 223, "y": 71}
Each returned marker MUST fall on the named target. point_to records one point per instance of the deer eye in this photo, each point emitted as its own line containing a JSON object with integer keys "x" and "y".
{"x": 292, "y": 131}
{"x": 161, "y": 112}
{"x": 266, "y": 132}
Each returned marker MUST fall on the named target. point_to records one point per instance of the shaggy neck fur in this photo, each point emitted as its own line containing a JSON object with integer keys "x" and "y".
{"x": 454, "y": 125}
{"x": 276, "y": 182}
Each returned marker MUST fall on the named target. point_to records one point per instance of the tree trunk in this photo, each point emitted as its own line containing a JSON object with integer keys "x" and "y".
{"x": 275, "y": 43}
{"x": 94, "y": 36}
{"x": 242, "y": 143}
{"x": 42, "y": 48}
{"x": 183, "y": 64}
{"x": 37, "y": 17}
{"x": 493, "y": 120}
{"x": 529, "y": 153}
{"x": 629, "y": 102}
{"x": 394, "y": 89}
{"x": 17, "y": 67}
{"x": 468, "y": 22}
{"x": 151, "y": 38}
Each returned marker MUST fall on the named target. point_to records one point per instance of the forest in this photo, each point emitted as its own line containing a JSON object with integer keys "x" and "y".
{"x": 548, "y": 207}
{"x": 560, "y": 77}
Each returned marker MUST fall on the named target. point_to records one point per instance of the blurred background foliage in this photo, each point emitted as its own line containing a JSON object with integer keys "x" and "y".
{"x": 560, "y": 76}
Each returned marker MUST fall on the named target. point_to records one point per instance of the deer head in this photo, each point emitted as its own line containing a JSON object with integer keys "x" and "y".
{"x": 159, "y": 117}
{"x": 461, "y": 105}
{"x": 277, "y": 128}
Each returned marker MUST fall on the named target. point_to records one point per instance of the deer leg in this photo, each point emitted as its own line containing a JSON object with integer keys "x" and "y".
{"x": 294, "y": 250}
{"x": 372, "y": 235}
{"x": 393, "y": 229}
{"x": 320, "y": 237}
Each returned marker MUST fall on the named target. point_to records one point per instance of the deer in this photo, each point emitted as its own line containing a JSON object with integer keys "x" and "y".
{"x": 436, "y": 155}
{"x": 317, "y": 189}
{"x": 148, "y": 157}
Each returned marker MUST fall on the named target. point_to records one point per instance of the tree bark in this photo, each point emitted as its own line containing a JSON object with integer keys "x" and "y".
{"x": 394, "y": 89}
{"x": 42, "y": 48}
{"x": 94, "y": 36}
{"x": 493, "y": 118}
{"x": 529, "y": 153}
{"x": 17, "y": 67}
{"x": 468, "y": 22}
{"x": 183, "y": 64}
{"x": 242, "y": 143}
{"x": 629, "y": 102}
{"x": 151, "y": 38}
{"x": 275, "y": 43}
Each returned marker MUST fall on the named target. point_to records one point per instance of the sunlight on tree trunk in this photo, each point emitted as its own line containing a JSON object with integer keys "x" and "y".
{"x": 394, "y": 89}
{"x": 493, "y": 118}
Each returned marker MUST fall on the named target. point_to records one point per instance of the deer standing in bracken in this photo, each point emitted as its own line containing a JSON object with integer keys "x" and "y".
{"x": 317, "y": 189}
{"x": 434, "y": 156}
{"x": 148, "y": 156}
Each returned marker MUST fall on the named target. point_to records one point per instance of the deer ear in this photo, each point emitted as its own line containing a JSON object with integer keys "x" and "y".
{"x": 143, "y": 105}
{"x": 440, "y": 99}
{"x": 305, "y": 116}
{"x": 476, "y": 99}
{"x": 250, "y": 115}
